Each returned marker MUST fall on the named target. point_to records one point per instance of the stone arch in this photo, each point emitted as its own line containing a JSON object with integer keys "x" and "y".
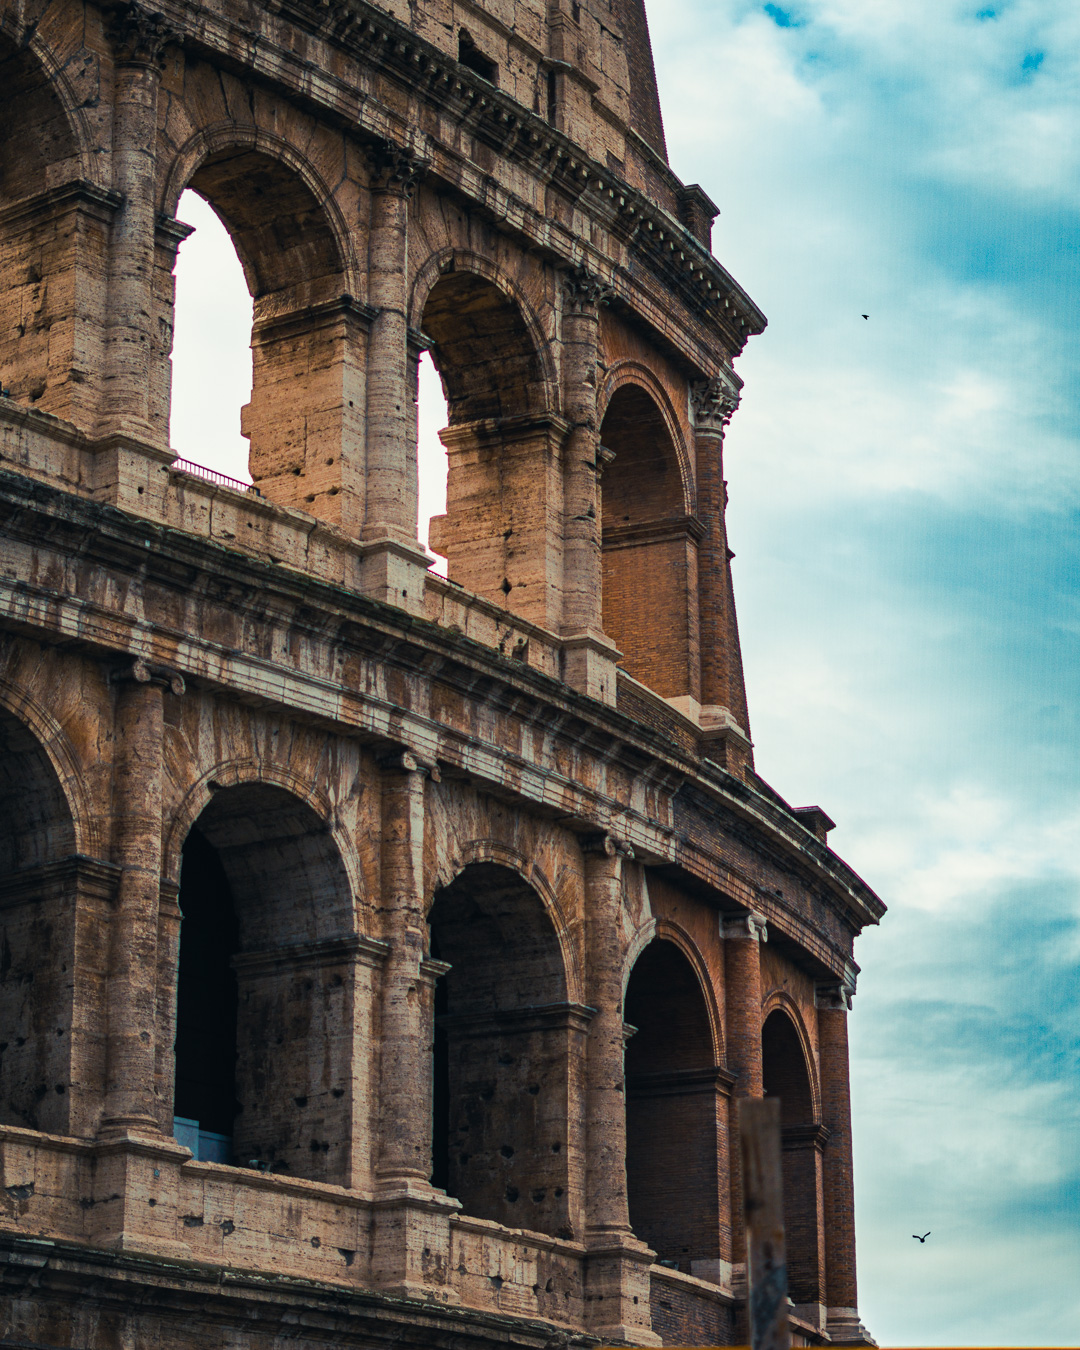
{"x": 780, "y": 1000}
{"x": 452, "y": 262}
{"x": 309, "y": 331}
{"x": 52, "y": 129}
{"x": 509, "y": 1051}
{"x": 234, "y": 773}
{"x": 635, "y": 373}
{"x": 649, "y": 534}
{"x": 39, "y": 896}
{"x": 64, "y": 762}
{"x": 268, "y": 961}
{"x": 503, "y": 442}
{"x": 530, "y": 871}
{"x": 788, "y": 1073}
{"x": 674, "y": 1104}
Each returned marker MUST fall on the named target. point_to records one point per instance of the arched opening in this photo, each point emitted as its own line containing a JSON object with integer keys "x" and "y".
{"x": 306, "y": 408}
{"x": 649, "y": 548}
{"x": 211, "y": 355}
{"x": 52, "y": 249}
{"x": 38, "y": 899}
{"x": 432, "y": 416}
{"x": 508, "y": 1056}
{"x": 672, "y": 1112}
{"x": 785, "y": 1075}
{"x": 265, "y": 988}
{"x": 503, "y": 486}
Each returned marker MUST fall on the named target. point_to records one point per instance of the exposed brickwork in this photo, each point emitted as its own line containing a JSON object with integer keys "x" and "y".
{"x": 322, "y": 879}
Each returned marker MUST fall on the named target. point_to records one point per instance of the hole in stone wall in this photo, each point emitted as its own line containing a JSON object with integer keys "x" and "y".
{"x": 671, "y": 1110}
{"x": 431, "y": 453}
{"x": 211, "y": 360}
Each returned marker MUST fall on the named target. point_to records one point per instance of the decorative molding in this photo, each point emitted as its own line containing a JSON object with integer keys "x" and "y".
{"x": 139, "y": 35}
{"x": 394, "y": 168}
{"x": 714, "y": 402}
{"x": 744, "y": 927}
{"x": 142, "y": 671}
{"x": 609, "y": 845}
{"x": 585, "y": 292}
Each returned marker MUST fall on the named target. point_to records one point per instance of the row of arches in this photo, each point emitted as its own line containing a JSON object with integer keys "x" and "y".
{"x": 494, "y": 341}
{"x": 265, "y": 1003}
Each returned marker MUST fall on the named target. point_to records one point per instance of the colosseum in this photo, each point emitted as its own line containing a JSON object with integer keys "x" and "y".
{"x": 383, "y": 955}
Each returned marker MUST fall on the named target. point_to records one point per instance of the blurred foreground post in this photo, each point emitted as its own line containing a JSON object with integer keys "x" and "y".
{"x": 759, "y": 1132}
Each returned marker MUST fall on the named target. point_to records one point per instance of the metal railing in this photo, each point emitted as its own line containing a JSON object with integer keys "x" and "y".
{"x": 212, "y": 476}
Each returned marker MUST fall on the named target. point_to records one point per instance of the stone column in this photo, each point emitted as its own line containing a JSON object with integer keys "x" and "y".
{"x": 724, "y": 719}
{"x": 617, "y": 1298}
{"x": 743, "y": 935}
{"x": 843, "y": 1325}
{"x": 140, "y": 39}
{"x": 589, "y": 656}
{"x": 395, "y": 564}
{"x": 412, "y": 1241}
{"x": 131, "y": 993}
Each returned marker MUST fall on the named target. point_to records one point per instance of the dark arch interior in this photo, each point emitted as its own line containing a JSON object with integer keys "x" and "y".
{"x": 36, "y": 134}
{"x": 643, "y": 481}
{"x": 784, "y": 1069}
{"x": 279, "y": 230}
{"x": 786, "y": 1075}
{"x": 649, "y": 553}
{"x": 263, "y": 974}
{"x": 502, "y": 1045}
{"x": 483, "y": 350}
{"x": 36, "y": 934}
{"x": 671, "y": 1110}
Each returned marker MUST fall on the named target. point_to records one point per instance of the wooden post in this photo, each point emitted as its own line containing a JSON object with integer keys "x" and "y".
{"x": 763, "y": 1202}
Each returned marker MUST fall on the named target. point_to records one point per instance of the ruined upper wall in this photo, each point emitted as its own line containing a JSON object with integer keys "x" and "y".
{"x": 586, "y": 66}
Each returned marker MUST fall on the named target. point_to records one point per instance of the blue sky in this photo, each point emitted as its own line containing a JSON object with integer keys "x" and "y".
{"x": 905, "y": 510}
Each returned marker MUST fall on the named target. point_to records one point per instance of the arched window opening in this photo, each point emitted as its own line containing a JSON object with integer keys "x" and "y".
{"x": 38, "y": 893}
{"x": 649, "y": 548}
{"x": 503, "y": 484}
{"x": 306, "y": 407}
{"x": 506, "y": 1110}
{"x": 211, "y": 357}
{"x": 42, "y": 327}
{"x": 672, "y": 1112}
{"x": 432, "y": 417}
{"x": 267, "y": 957}
{"x": 785, "y": 1075}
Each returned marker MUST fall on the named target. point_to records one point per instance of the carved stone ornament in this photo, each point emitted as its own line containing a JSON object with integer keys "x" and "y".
{"x": 142, "y": 671}
{"x": 139, "y": 35}
{"x": 608, "y": 845}
{"x": 835, "y": 994}
{"x": 714, "y": 402}
{"x": 585, "y": 293}
{"x": 751, "y": 927}
{"x": 394, "y": 168}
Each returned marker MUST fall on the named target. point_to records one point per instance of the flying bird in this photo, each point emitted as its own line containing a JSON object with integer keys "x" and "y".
{"x": 866, "y": 316}
{"x": 927, "y": 1233}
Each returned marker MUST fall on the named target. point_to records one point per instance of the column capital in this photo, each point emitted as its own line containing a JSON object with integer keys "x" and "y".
{"x": 140, "y": 35}
{"x": 585, "y": 292}
{"x": 141, "y": 671}
{"x": 604, "y": 844}
{"x": 395, "y": 169}
{"x": 747, "y": 927}
{"x": 404, "y": 761}
{"x": 835, "y": 995}
{"x": 714, "y": 402}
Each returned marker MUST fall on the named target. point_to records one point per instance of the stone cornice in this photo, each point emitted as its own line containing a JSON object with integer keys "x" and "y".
{"x": 655, "y": 237}
{"x": 48, "y": 519}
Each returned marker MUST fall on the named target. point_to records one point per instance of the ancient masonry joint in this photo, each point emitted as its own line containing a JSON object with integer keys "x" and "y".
{"x": 382, "y": 956}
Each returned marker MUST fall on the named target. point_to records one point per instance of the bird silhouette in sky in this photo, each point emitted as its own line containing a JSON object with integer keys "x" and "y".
{"x": 866, "y": 316}
{"x": 923, "y": 1238}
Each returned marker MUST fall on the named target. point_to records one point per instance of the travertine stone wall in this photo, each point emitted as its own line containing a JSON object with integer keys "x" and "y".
{"x": 447, "y": 920}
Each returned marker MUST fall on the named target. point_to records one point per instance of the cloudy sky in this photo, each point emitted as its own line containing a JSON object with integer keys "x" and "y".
{"x": 905, "y": 503}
